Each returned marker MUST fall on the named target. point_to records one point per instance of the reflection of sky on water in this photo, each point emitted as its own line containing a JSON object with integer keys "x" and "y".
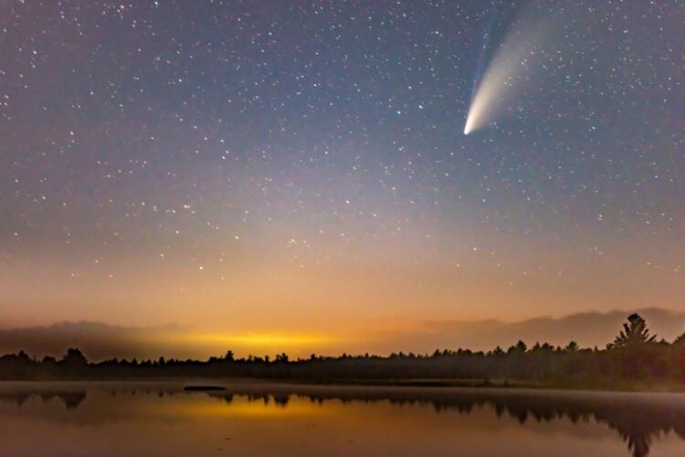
{"x": 571, "y": 420}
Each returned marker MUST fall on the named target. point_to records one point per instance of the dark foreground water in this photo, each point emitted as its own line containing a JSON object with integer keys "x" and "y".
{"x": 138, "y": 419}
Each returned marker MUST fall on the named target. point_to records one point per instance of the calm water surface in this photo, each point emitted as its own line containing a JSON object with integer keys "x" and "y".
{"x": 127, "y": 419}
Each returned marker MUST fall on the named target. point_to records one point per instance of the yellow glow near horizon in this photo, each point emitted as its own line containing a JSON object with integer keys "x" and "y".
{"x": 262, "y": 340}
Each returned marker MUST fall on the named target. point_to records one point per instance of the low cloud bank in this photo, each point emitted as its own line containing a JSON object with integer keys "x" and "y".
{"x": 101, "y": 341}
{"x": 587, "y": 329}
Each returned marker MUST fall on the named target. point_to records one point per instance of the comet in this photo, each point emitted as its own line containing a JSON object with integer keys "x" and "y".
{"x": 506, "y": 75}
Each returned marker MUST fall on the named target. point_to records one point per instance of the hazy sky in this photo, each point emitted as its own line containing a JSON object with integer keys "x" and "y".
{"x": 272, "y": 169}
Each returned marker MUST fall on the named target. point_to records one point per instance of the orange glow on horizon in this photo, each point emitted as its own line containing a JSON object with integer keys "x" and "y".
{"x": 262, "y": 340}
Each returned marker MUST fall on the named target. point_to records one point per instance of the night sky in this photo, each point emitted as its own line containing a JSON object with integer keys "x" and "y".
{"x": 296, "y": 172}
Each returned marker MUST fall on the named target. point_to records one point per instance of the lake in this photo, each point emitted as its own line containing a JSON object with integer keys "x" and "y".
{"x": 262, "y": 419}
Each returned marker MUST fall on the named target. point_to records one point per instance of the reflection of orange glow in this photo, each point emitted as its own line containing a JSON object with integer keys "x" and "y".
{"x": 245, "y": 407}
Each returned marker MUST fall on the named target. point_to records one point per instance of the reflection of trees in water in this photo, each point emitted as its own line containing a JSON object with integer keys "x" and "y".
{"x": 18, "y": 398}
{"x": 279, "y": 399}
{"x": 638, "y": 419}
{"x": 70, "y": 399}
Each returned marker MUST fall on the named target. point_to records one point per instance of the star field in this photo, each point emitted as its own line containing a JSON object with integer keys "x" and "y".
{"x": 265, "y": 163}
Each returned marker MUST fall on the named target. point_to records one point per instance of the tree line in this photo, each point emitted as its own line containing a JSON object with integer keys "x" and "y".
{"x": 635, "y": 358}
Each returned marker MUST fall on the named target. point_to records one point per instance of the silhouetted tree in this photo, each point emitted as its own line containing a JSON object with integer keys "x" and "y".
{"x": 634, "y": 333}
{"x": 74, "y": 358}
{"x": 572, "y": 347}
{"x": 680, "y": 341}
{"x": 519, "y": 348}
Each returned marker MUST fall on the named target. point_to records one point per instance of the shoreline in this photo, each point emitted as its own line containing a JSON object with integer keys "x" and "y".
{"x": 262, "y": 384}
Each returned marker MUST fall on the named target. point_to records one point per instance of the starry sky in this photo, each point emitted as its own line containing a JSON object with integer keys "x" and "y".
{"x": 296, "y": 172}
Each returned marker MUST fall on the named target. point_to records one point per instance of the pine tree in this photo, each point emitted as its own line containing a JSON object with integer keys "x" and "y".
{"x": 635, "y": 332}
